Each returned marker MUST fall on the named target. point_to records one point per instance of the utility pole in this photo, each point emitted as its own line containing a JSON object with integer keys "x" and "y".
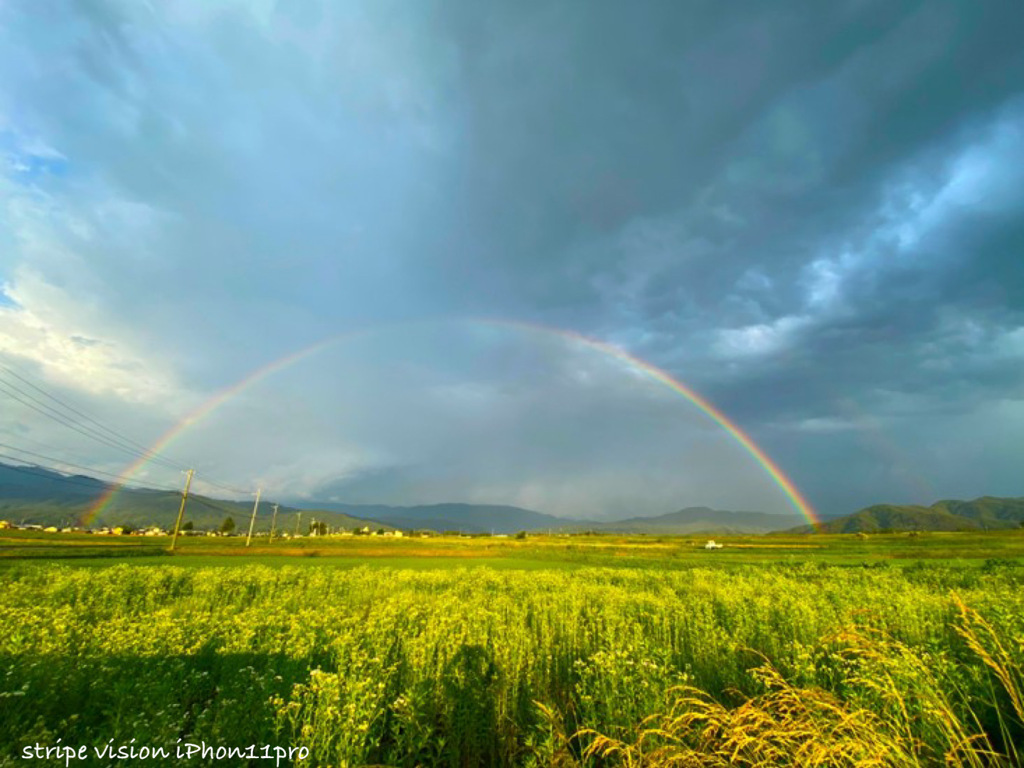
{"x": 181, "y": 509}
{"x": 252, "y": 522}
{"x": 273, "y": 525}
{"x": 297, "y": 521}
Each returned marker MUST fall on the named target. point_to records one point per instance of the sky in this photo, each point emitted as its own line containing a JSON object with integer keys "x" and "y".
{"x": 811, "y": 214}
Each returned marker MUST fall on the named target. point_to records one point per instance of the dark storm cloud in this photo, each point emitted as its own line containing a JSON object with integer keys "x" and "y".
{"x": 581, "y": 122}
{"x": 683, "y": 183}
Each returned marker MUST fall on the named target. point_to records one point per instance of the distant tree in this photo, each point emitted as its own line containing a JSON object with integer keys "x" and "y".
{"x": 187, "y": 526}
{"x": 128, "y": 528}
{"x": 521, "y": 535}
{"x": 228, "y": 525}
{"x": 380, "y": 531}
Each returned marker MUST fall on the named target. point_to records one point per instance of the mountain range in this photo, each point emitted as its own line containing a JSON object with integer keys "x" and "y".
{"x": 985, "y": 513}
{"x": 700, "y": 520}
{"x": 38, "y": 495}
{"x": 491, "y": 518}
{"x": 34, "y": 494}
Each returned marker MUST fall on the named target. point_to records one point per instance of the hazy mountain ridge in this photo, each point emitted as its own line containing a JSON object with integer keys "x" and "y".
{"x": 504, "y": 519}
{"x": 468, "y": 518}
{"x": 702, "y": 520}
{"x": 41, "y": 496}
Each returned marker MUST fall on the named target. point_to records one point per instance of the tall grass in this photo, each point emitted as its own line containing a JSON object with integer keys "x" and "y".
{"x": 898, "y": 710}
{"x": 751, "y": 666}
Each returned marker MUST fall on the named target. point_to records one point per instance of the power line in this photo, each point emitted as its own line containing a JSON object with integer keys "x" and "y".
{"x": 229, "y": 512}
{"x": 202, "y": 479}
{"x": 117, "y": 435}
{"x": 50, "y": 474}
{"x": 77, "y": 466}
{"x": 113, "y": 475}
{"x": 205, "y": 501}
{"x": 20, "y": 437}
{"x": 112, "y": 439}
{"x": 60, "y": 418}
{"x": 123, "y": 442}
{"x": 60, "y": 478}
{"x": 68, "y": 421}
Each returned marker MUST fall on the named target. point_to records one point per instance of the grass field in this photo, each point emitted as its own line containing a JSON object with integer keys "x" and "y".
{"x": 662, "y": 552}
{"x": 828, "y": 650}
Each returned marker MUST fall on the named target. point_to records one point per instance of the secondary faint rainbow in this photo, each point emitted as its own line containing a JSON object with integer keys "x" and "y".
{"x": 787, "y": 486}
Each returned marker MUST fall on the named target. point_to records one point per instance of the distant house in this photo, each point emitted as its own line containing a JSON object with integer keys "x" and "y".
{"x": 712, "y": 544}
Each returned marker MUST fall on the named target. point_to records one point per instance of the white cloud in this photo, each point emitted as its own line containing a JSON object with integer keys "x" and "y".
{"x": 71, "y": 345}
{"x": 826, "y": 425}
{"x": 762, "y": 339}
{"x": 985, "y": 176}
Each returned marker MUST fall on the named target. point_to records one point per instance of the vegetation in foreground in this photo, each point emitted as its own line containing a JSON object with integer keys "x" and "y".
{"x": 754, "y": 665}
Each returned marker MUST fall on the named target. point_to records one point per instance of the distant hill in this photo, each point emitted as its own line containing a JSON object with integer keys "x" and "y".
{"x": 485, "y": 518}
{"x": 32, "y": 494}
{"x": 703, "y": 520}
{"x": 985, "y": 513}
{"x": 40, "y": 484}
{"x": 468, "y": 518}
{"x": 38, "y": 495}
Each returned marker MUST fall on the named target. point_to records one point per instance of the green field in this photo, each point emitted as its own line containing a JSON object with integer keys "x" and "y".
{"x": 588, "y": 650}
{"x": 661, "y": 552}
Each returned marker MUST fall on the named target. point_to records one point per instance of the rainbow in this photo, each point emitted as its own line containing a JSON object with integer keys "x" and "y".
{"x": 201, "y": 412}
{"x": 205, "y": 409}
